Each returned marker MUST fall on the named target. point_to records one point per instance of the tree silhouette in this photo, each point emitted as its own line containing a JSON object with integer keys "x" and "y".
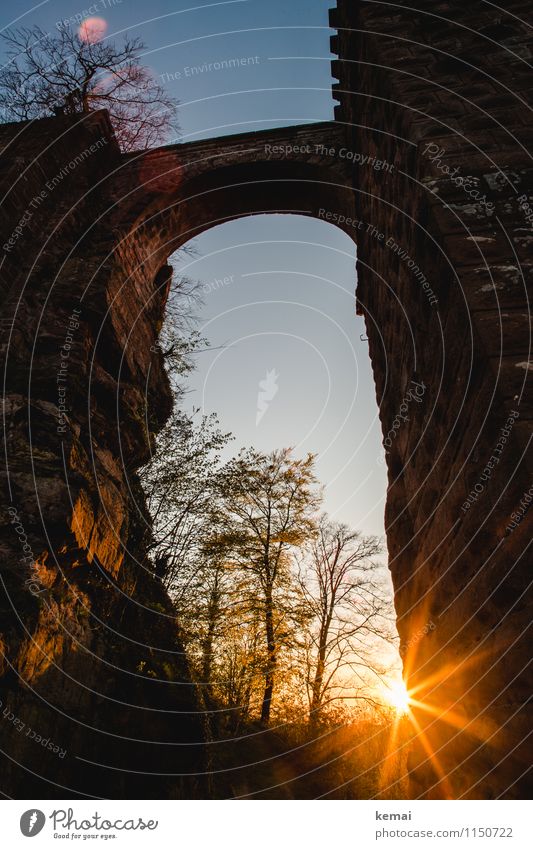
{"x": 348, "y": 610}
{"x": 66, "y": 74}
{"x": 266, "y": 511}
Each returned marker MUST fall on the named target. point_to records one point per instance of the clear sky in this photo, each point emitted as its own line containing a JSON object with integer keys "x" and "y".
{"x": 278, "y": 290}
{"x": 184, "y": 35}
{"x": 279, "y": 310}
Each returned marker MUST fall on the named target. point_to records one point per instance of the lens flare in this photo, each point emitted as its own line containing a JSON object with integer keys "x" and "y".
{"x": 397, "y": 696}
{"x": 92, "y": 30}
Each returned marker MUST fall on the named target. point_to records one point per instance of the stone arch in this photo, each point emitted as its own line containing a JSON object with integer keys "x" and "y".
{"x": 180, "y": 191}
{"x": 100, "y": 240}
{"x": 161, "y": 199}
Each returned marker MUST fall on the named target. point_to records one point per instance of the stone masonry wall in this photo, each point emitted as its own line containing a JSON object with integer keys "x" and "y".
{"x": 435, "y": 104}
{"x": 94, "y": 686}
{"x": 444, "y": 270}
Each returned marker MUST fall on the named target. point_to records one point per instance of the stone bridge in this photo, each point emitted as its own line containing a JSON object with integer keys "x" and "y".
{"x": 426, "y": 166}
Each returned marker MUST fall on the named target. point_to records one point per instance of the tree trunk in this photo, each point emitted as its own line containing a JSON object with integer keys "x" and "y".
{"x": 271, "y": 658}
{"x": 207, "y": 655}
{"x": 314, "y": 708}
{"x": 316, "y": 692}
{"x": 213, "y": 610}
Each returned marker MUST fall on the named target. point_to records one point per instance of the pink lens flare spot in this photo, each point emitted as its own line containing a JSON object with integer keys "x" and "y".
{"x": 92, "y": 30}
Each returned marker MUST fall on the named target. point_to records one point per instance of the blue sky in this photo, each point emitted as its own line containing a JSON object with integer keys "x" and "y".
{"x": 283, "y": 325}
{"x": 278, "y": 297}
{"x": 182, "y": 34}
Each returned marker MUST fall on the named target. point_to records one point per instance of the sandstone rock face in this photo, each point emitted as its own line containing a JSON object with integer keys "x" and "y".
{"x": 95, "y": 692}
{"x": 92, "y": 660}
{"x": 443, "y": 276}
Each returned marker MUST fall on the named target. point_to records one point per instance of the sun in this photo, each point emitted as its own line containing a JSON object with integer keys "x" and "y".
{"x": 397, "y": 696}
{"x": 92, "y": 30}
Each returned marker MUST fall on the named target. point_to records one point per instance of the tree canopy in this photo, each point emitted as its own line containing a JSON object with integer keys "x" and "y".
{"x": 69, "y": 73}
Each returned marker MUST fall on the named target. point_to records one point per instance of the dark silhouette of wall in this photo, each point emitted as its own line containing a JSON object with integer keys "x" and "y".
{"x": 92, "y": 655}
{"x": 443, "y": 92}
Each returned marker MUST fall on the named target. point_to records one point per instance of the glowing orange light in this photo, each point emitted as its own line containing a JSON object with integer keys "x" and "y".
{"x": 92, "y": 30}
{"x": 398, "y": 697}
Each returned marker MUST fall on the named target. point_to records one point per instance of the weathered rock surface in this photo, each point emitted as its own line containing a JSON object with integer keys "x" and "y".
{"x": 95, "y": 687}
{"x": 92, "y": 656}
{"x": 439, "y": 94}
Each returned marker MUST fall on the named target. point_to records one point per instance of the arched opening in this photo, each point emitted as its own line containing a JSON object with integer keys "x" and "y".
{"x": 444, "y": 261}
{"x": 288, "y": 365}
{"x": 278, "y": 294}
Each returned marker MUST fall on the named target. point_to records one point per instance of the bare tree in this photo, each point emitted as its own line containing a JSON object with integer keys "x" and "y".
{"x": 180, "y": 485}
{"x": 349, "y": 610}
{"x": 238, "y": 653}
{"x": 64, "y": 73}
{"x": 179, "y": 481}
{"x": 266, "y": 510}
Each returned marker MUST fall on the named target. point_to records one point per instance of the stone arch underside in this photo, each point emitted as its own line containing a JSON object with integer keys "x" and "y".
{"x": 99, "y": 243}
{"x": 183, "y": 190}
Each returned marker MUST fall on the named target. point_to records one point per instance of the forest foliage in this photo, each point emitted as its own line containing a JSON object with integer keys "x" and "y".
{"x": 285, "y": 612}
